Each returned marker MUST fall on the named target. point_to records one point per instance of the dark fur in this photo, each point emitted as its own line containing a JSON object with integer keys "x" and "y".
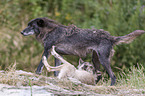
{"x": 70, "y": 40}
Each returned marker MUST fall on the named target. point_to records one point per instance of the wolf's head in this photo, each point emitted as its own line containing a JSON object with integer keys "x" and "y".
{"x": 33, "y": 27}
{"x": 86, "y": 66}
{"x": 39, "y": 27}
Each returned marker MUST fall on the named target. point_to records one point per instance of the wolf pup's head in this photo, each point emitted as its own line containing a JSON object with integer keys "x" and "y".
{"x": 86, "y": 66}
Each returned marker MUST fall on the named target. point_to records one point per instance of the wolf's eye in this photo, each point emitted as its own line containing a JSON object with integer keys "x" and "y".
{"x": 85, "y": 67}
{"x": 33, "y": 26}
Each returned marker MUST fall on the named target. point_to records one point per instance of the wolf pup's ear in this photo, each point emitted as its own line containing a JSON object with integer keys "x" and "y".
{"x": 40, "y": 23}
{"x": 81, "y": 61}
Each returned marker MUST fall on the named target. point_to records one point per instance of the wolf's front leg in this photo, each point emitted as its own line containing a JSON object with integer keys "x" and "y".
{"x": 41, "y": 65}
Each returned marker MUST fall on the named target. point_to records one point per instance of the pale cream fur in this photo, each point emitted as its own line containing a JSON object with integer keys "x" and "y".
{"x": 68, "y": 70}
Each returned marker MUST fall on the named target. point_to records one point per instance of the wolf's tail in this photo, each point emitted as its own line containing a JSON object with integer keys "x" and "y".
{"x": 128, "y": 38}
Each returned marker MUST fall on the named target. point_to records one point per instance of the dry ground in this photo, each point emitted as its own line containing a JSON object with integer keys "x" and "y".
{"x": 20, "y": 81}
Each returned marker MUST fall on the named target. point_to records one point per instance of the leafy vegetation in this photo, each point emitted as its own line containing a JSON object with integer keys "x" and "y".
{"x": 119, "y": 17}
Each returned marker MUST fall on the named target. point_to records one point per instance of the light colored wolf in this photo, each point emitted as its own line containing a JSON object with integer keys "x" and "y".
{"x": 84, "y": 73}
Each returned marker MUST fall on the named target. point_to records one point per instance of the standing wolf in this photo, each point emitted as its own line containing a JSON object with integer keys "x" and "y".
{"x": 70, "y": 40}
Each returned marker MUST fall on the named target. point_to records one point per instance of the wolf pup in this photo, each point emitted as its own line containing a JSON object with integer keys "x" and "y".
{"x": 71, "y": 40}
{"x": 68, "y": 70}
{"x": 89, "y": 68}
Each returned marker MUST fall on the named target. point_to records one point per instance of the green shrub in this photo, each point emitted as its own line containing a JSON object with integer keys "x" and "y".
{"x": 119, "y": 17}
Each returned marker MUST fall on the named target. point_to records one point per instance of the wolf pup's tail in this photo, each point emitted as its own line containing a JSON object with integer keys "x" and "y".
{"x": 128, "y": 38}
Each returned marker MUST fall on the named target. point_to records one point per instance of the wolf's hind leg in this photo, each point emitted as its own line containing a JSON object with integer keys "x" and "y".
{"x": 104, "y": 54}
{"x": 96, "y": 64}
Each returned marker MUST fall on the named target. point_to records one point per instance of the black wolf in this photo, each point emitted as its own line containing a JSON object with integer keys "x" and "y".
{"x": 71, "y": 40}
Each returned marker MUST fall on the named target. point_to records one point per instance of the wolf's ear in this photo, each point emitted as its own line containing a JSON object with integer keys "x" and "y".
{"x": 40, "y": 23}
{"x": 81, "y": 61}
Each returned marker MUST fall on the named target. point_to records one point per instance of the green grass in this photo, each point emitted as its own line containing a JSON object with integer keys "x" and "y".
{"x": 134, "y": 78}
